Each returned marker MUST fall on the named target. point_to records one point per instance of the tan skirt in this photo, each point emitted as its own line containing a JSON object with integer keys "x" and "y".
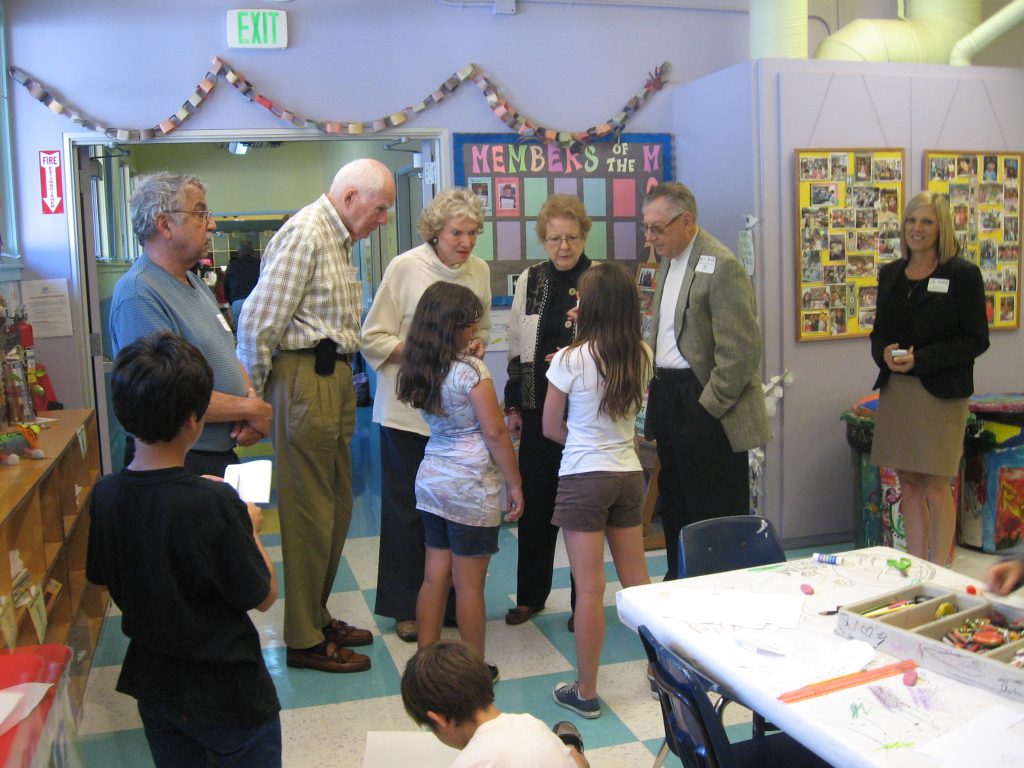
{"x": 916, "y": 431}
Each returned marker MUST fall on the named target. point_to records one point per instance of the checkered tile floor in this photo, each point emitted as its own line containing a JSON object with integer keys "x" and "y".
{"x": 325, "y": 717}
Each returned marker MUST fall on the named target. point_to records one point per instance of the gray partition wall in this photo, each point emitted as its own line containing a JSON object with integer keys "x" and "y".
{"x": 737, "y": 131}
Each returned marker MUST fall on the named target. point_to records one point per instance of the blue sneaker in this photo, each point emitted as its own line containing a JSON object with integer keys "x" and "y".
{"x": 568, "y": 695}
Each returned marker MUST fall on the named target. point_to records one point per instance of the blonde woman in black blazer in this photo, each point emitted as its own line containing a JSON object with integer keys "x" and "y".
{"x": 929, "y": 327}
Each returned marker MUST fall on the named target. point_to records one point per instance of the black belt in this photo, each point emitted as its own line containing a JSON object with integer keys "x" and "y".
{"x": 345, "y": 357}
{"x": 669, "y": 374}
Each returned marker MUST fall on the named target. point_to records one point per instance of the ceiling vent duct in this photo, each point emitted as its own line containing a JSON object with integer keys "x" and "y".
{"x": 926, "y": 35}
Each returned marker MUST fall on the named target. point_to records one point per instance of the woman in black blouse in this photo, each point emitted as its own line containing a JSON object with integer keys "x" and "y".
{"x": 929, "y": 327}
{"x": 540, "y": 325}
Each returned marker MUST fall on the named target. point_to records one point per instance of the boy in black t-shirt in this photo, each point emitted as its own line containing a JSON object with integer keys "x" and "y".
{"x": 181, "y": 557}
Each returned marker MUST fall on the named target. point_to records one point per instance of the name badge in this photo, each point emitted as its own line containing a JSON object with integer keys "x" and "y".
{"x": 223, "y": 322}
{"x": 706, "y": 264}
{"x": 938, "y": 285}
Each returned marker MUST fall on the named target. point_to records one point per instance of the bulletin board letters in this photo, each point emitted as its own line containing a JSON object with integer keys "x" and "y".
{"x": 513, "y": 180}
{"x": 848, "y": 225}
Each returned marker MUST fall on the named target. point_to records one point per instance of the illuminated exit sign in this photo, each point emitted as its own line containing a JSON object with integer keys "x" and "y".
{"x": 257, "y": 29}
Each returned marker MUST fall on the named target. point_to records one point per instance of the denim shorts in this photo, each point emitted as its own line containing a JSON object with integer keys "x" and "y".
{"x": 462, "y": 540}
{"x": 590, "y": 501}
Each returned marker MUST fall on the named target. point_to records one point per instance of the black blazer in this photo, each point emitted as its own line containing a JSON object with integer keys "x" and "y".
{"x": 947, "y": 330}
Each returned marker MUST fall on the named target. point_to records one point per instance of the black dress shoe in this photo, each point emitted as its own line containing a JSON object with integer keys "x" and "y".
{"x": 521, "y": 614}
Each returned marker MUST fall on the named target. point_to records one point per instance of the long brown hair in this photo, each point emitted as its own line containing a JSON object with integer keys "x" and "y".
{"x": 609, "y": 321}
{"x": 432, "y": 344}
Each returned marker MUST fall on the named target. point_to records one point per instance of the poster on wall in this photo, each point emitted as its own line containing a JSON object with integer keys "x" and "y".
{"x": 513, "y": 179}
{"x": 984, "y": 198}
{"x": 848, "y": 225}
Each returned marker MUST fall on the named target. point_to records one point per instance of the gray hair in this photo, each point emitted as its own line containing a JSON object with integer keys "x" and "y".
{"x": 368, "y": 177}
{"x": 158, "y": 193}
{"x": 453, "y": 203}
{"x": 678, "y": 196}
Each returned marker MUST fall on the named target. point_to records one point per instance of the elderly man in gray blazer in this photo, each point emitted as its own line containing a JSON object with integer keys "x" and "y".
{"x": 705, "y": 408}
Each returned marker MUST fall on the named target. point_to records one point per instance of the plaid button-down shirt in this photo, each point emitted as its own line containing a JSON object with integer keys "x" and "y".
{"x": 308, "y": 290}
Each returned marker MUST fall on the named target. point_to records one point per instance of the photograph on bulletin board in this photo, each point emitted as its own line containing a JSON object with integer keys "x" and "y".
{"x": 514, "y": 178}
{"x": 984, "y": 199}
{"x": 848, "y": 225}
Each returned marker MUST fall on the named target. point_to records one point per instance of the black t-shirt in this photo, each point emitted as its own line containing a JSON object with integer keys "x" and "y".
{"x": 176, "y": 552}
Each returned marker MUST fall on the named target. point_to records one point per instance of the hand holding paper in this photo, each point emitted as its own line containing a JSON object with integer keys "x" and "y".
{"x": 251, "y": 479}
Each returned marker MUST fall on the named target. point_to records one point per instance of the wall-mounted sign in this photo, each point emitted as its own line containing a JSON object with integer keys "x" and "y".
{"x": 51, "y": 181}
{"x": 257, "y": 28}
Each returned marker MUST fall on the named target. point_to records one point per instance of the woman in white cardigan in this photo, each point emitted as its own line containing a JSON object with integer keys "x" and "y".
{"x": 449, "y": 226}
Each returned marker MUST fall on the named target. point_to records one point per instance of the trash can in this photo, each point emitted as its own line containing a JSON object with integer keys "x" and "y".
{"x": 47, "y": 735}
{"x": 992, "y": 502}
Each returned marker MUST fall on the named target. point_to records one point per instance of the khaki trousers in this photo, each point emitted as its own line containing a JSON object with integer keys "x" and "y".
{"x": 314, "y": 420}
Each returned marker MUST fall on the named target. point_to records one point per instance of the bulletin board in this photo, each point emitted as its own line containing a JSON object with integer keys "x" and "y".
{"x": 513, "y": 179}
{"x": 849, "y": 203}
{"x": 984, "y": 198}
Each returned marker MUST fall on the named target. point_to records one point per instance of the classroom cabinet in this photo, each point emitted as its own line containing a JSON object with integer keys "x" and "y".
{"x": 44, "y": 529}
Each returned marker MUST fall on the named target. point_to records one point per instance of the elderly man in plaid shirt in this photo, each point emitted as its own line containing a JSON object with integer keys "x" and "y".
{"x": 296, "y": 337}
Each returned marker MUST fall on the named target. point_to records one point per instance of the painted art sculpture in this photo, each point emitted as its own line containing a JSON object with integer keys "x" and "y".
{"x": 20, "y": 442}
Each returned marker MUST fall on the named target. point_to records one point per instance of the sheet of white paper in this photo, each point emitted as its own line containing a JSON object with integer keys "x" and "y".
{"x": 787, "y": 662}
{"x": 386, "y": 749}
{"x": 984, "y": 740}
{"x": 18, "y": 701}
{"x": 251, "y": 479}
{"x": 738, "y": 608}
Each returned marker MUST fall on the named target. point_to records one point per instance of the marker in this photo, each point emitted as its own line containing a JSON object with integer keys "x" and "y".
{"x": 827, "y": 559}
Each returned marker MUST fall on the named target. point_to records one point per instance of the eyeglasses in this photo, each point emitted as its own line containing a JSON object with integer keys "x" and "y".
{"x": 659, "y": 229}
{"x": 203, "y": 214}
{"x": 569, "y": 240}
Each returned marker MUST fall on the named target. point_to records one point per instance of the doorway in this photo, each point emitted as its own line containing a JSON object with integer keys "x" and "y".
{"x": 281, "y": 172}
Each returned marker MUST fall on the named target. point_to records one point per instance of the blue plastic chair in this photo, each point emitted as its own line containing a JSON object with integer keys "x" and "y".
{"x": 693, "y": 731}
{"x": 726, "y": 544}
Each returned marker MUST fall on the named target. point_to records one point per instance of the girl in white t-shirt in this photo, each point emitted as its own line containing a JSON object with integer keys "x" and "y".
{"x": 602, "y": 377}
{"x": 458, "y": 485}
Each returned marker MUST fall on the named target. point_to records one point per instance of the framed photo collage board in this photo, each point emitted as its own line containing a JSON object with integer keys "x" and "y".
{"x": 984, "y": 197}
{"x": 848, "y": 225}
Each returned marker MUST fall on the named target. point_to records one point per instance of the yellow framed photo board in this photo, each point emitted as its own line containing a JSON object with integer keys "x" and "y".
{"x": 849, "y": 203}
{"x": 984, "y": 198}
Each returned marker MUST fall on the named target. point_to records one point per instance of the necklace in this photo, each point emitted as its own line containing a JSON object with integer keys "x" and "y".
{"x": 912, "y": 285}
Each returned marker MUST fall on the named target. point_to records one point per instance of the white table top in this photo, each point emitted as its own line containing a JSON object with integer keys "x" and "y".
{"x": 938, "y": 721}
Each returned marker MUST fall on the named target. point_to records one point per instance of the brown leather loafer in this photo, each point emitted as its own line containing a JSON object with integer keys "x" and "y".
{"x": 340, "y": 633}
{"x": 329, "y": 657}
{"x": 520, "y": 614}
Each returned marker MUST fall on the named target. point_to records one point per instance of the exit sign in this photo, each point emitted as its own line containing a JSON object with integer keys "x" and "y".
{"x": 257, "y": 29}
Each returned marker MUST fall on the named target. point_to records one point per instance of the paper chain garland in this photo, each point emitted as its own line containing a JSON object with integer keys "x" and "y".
{"x": 505, "y": 112}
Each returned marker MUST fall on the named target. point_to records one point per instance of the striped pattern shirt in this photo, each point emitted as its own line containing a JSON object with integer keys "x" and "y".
{"x": 308, "y": 290}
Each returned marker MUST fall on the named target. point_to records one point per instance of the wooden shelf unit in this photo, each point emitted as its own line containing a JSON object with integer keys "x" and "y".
{"x": 44, "y": 515}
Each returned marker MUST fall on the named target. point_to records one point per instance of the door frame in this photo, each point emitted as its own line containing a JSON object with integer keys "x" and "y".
{"x": 83, "y": 274}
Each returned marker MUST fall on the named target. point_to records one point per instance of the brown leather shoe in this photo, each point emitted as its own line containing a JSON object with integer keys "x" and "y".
{"x": 345, "y": 634}
{"x": 521, "y": 614}
{"x": 328, "y": 657}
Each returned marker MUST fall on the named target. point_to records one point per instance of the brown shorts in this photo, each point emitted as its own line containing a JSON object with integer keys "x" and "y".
{"x": 590, "y": 501}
